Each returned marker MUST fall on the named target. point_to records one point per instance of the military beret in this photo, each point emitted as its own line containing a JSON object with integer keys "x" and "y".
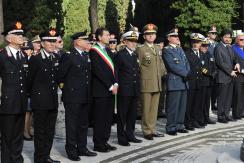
{"x": 79, "y": 35}
{"x": 149, "y": 28}
{"x": 50, "y": 35}
{"x": 15, "y": 28}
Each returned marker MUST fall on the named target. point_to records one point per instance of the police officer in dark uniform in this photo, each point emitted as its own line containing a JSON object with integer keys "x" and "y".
{"x": 178, "y": 70}
{"x": 194, "y": 113}
{"x": 128, "y": 80}
{"x": 208, "y": 69}
{"x": 13, "y": 69}
{"x": 42, "y": 84}
{"x": 74, "y": 72}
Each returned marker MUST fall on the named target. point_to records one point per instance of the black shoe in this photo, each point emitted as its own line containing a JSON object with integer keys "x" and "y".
{"x": 49, "y": 160}
{"x": 148, "y": 137}
{"x": 190, "y": 127}
{"x": 222, "y": 120}
{"x": 86, "y": 152}
{"x": 172, "y": 133}
{"x": 197, "y": 125}
{"x": 230, "y": 119}
{"x": 158, "y": 135}
{"x": 209, "y": 121}
{"x": 124, "y": 143}
{"x": 110, "y": 147}
{"x": 135, "y": 140}
{"x": 102, "y": 149}
{"x": 182, "y": 131}
{"x": 74, "y": 158}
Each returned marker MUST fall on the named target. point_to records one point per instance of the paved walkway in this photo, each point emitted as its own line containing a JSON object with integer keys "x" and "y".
{"x": 214, "y": 143}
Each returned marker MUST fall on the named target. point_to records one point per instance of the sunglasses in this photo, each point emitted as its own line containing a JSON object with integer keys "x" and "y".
{"x": 112, "y": 42}
{"x": 213, "y": 33}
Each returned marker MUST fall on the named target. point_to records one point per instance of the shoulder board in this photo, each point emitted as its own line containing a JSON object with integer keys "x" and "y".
{"x": 167, "y": 47}
{"x": 140, "y": 45}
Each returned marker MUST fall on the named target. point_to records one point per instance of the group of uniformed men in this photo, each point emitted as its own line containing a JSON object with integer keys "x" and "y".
{"x": 96, "y": 76}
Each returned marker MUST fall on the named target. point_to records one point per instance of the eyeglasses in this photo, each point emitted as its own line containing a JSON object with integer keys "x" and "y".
{"x": 241, "y": 39}
{"x": 213, "y": 33}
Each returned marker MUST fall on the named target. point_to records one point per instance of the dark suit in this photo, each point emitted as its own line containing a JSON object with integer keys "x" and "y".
{"x": 13, "y": 105}
{"x": 74, "y": 72}
{"x": 238, "y": 103}
{"x": 225, "y": 60}
{"x": 194, "y": 111}
{"x": 103, "y": 100}
{"x": 42, "y": 84}
{"x": 178, "y": 69}
{"x": 129, "y": 89}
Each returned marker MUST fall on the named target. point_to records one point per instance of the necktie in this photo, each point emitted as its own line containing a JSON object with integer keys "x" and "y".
{"x": 18, "y": 56}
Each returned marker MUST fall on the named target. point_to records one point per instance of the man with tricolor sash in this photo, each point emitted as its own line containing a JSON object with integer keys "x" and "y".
{"x": 104, "y": 89}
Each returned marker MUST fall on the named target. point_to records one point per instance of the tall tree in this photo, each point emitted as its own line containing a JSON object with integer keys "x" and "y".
{"x": 198, "y": 15}
{"x": 1, "y": 21}
{"x": 93, "y": 15}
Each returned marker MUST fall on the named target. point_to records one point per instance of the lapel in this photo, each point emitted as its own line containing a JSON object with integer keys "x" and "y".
{"x": 150, "y": 49}
{"x": 11, "y": 57}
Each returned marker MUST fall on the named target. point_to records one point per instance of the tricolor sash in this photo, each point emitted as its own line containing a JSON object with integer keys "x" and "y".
{"x": 104, "y": 55}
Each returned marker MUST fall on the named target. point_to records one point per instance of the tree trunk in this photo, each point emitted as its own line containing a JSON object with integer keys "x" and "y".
{"x": 93, "y": 15}
{"x": 1, "y": 21}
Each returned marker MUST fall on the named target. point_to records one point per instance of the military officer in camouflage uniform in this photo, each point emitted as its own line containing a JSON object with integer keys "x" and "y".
{"x": 152, "y": 69}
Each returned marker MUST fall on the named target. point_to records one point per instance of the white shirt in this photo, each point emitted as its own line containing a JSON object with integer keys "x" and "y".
{"x": 130, "y": 51}
{"x": 80, "y": 51}
{"x": 102, "y": 46}
{"x": 48, "y": 55}
{"x": 14, "y": 51}
{"x": 173, "y": 45}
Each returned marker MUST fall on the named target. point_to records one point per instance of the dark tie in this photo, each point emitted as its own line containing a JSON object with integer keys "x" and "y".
{"x": 18, "y": 56}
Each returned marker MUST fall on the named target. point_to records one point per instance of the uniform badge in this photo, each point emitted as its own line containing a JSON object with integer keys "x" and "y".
{"x": 25, "y": 65}
{"x": 176, "y": 60}
{"x": 203, "y": 62}
{"x": 56, "y": 64}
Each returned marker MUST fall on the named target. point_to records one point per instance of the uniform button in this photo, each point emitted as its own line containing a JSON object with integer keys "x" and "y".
{"x": 21, "y": 91}
{"x": 20, "y": 71}
{"x": 20, "y": 78}
{"x": 53, "y": 88}
{"x": 38, "y": 93}
{"x": 52, "y": 81}
{"x": 21, "y": 84}
{"x": 86, "y": 70}
{"x": 87, "y": 76}
{"x": 87, "y": 82}
{"x": 134, "y": 74}
{"x": 52, "y": 68}
{"x": 134, "y": 81}
{"x": 52, "y": 75}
